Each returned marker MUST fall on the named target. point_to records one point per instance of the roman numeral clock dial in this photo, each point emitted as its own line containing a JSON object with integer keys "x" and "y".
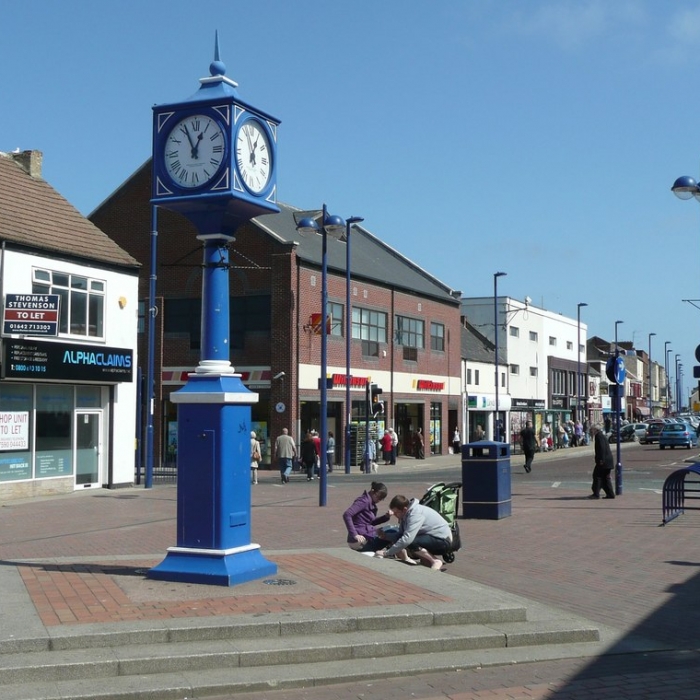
{"x": 253, "y": 155}
{"x": 194, "y": 151}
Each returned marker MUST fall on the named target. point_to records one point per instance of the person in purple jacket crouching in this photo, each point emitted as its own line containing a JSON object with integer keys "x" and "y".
{"x": 361, "y": 520}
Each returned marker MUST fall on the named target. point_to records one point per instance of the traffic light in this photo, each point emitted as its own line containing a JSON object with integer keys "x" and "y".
{"x": 376, "y": 406}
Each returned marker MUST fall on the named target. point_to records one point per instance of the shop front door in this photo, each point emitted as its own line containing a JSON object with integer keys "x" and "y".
{"x": 88, "y": 448}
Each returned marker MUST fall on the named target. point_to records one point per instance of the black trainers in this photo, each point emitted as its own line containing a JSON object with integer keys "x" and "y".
{"x": 593, "y": 495}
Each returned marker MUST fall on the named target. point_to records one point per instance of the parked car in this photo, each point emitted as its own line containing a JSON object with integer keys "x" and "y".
{"x": 678, "y": 434}
{"x": 632, "y": 432}
{"x": 653, "y": 431}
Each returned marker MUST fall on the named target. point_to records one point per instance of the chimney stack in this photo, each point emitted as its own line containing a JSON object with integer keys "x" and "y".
{"x": 30, "y": 161}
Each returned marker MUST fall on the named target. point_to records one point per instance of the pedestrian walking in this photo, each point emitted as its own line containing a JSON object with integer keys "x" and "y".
{"x": 528, "y": 441}
{"x": 394, "y": 445}
{"x": 419, "y": 444}
{"x": 255, "y": 457}
{"x": 456, "y": 442}
{"x": 386, "y": 447}
{"x": 308, "y": 455}
{"x": 603, "y": 464}
{"x": 330, "y": 451}
{"x": 285, "y": 452}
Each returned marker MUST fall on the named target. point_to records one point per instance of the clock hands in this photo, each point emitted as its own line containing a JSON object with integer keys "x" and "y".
{"x": 195, "y": 147}
{"x": 189, "y": 138}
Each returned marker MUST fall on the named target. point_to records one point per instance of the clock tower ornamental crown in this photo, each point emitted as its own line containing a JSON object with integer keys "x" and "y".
{"x": 215, "y": 156}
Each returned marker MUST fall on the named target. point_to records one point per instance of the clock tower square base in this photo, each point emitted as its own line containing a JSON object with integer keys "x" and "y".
{"x": 213, "y": 483}
{"x": 212, "y": 567}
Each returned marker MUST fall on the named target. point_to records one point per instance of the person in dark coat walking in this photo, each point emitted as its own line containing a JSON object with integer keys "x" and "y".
{"x": 528, "y": 441}
{"x": 603, "y": 464}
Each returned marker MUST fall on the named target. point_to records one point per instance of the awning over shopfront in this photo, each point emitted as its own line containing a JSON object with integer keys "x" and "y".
{"x": 642, "y": 410}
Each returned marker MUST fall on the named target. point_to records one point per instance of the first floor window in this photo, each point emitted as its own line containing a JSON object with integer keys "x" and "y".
{"x": 81, "y": 301}
{"x": 437, "y": 336}
{"x": 335, "y": 311}
{"x": 369, "y": 327}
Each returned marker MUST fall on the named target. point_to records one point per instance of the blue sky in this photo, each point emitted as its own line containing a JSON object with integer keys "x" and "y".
{"x": 538, "y": 137}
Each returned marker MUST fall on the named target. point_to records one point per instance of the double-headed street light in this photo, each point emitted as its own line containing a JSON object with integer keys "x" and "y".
{"x": 650, "y": 392}
{"x": 335, "y": 226}
{"x": 348, "y": 330}
{"x": 685, "y": 187}
{"x": 497, "y": 423}
{"x": 578, "y": 361}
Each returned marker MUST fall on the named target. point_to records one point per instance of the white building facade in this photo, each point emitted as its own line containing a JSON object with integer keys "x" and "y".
{"x": 545, "y": 362}
{"x": 68, "y": 381}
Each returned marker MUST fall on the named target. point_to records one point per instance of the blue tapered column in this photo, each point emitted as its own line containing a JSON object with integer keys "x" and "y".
{"x": 213, "y": 461}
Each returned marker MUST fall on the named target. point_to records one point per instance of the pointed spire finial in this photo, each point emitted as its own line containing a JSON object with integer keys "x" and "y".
{"x": 217, "y": 66}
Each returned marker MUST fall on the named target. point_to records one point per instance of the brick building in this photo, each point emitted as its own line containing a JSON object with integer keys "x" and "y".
{"x": 405, "y": 324}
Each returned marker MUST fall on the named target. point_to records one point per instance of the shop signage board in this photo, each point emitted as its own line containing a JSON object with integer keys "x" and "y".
{"x": 34, "y": 359}
{"x": 30, "y": 314}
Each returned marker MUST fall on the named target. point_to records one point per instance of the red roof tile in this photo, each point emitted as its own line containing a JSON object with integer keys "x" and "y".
{"x": 33, "y": 214}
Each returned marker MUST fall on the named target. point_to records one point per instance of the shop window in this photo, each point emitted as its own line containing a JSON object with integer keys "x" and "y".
{"x": 435, "y": 434}
{"x": 54, "y": 412}
{"x": 15, "y": 448}
{"x": 82, "y": 300}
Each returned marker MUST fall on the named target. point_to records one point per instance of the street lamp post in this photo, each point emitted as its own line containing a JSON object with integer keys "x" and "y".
{"x": 666, "y": 351}
{"x": 578, "y": 360}
{"x": 335, "y": 226}
{"x": 678, "y": 395}
{"x": 348, "y": 330}
{"x": 497, "y": 423}
{"x": 618, "y": 407}
{"x": 650, "y": 390}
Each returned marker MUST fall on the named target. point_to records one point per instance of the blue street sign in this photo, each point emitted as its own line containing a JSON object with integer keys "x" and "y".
{"x": 615, "y": 370}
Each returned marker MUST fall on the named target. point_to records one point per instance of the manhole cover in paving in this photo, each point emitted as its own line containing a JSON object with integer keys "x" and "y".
{"x": 279, "y": 582}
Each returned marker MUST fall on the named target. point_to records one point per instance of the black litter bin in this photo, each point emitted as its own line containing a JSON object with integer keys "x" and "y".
{"x": 486, "y": 480}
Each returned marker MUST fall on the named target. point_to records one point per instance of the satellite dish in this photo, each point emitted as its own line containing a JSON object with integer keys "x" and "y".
{"x": 528, "y": 300}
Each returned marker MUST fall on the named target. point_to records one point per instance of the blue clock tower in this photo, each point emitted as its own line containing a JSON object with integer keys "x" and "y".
{"x": 215, "y": 162}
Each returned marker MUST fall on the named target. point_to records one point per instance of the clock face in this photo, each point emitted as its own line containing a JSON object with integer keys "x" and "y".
{"x": 253, "y": 155}
{"x": 194, "y": 151}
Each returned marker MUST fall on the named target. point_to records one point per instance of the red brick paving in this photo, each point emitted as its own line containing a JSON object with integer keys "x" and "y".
{"x": 66, "y": 594}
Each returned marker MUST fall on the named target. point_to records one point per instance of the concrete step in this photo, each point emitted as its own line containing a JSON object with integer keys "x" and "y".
{"x": 229, "y": 681}
{"x": 265, "y": 626}
{"x": 200, "y": 658}
{"x": 234, "y": 653}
